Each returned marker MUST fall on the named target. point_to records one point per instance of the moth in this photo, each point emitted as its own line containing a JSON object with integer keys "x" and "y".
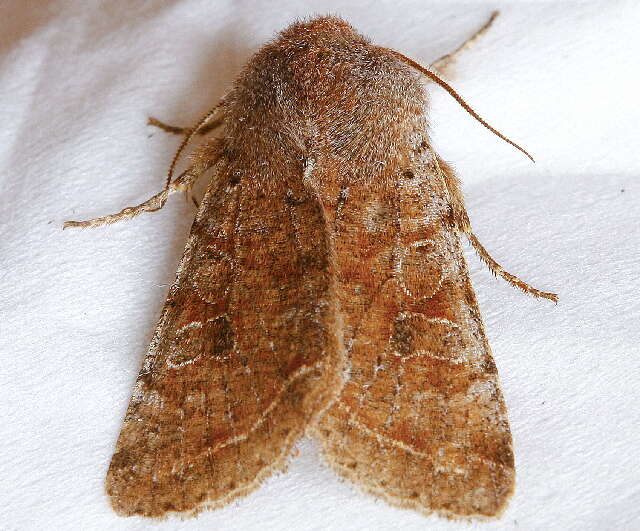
{"x": 322, "y": 291}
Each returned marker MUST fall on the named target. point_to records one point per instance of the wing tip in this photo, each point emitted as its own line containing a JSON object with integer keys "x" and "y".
{"x": 142, "y": 498}
{"x": 417, "y": 503}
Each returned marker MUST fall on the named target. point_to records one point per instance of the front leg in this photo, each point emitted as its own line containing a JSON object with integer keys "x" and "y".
{"x": 204, "y": 158}
{"x": 460, "y": 220}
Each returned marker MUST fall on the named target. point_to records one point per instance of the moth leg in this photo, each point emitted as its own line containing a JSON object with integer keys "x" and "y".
{"x": 442, "y": 64}
{"x": 461, "y": 221}
{"x": 174, "y": 130}
{"x": 456, "y": 199}
{"x": 203, "y": 158}
{"x": 182, "y": 183}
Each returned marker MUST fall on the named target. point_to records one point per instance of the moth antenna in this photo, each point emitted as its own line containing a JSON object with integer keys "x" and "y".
{"x": 447, "y": 59}
{"x": 458, "y": 98}
{"x": 186, "y": 141}
{"x": 183, "y": 131}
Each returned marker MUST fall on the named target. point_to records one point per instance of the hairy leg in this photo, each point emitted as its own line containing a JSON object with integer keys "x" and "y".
{"x": 461, "y": 221}
{"x": 203, "y": 158}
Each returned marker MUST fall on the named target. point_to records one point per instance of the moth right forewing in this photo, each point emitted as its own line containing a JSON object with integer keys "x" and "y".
{"x": 421, "y": 421}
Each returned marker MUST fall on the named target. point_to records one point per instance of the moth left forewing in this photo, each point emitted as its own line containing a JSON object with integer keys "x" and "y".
{"x": 245, "y": 354}
{"x": 421, "y": 422}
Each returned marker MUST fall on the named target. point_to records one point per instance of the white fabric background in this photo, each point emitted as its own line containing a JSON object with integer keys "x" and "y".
{"x": 77, "y": 308}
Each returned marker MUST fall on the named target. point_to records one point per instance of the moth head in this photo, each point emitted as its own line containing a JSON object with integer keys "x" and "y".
{"x": 322, "y": 30}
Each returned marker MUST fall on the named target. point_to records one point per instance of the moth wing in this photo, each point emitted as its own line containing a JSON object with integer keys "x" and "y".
{"x": 245, "y": 353}
{"x": 421, "y": 422}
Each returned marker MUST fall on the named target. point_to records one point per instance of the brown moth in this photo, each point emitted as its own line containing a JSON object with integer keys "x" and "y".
{"x": 323, "y": 290}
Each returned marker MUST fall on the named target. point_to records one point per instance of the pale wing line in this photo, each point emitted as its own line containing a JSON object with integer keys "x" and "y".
{"x": 395, "y": 274}
{"x": 396, "y": 394}
{"x": 343, "y": 196}
{"x": 227, "y": 293}
{"x": 372, "y": 300}
{"x": 245, "y": 489}
{"x": 398, "y": 253}
{"x": 154, "y": 357}
{"x": 233, "y": 305}
{"x": 266, "y": 471}
{"x": 421, "y": 353}
{"x": 424, "y": 353}
{"x": 365, "y": 311}
{"x": 210, "y": 460}
{"x": 288, "y": 382}
{"x": 151, "y": 362}
{"x": 356, "y": 332}
{"x": 398, "y": 271}
{"x": 399, "y": 444}
{"x": 188, "y": 326}
{"x": 352, "y": 414}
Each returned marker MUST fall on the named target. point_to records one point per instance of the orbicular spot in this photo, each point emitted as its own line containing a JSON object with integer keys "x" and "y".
{"x": 420, "y": 269}
{"x": 214, "y": 274}
{"x": 213, "y": 339}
